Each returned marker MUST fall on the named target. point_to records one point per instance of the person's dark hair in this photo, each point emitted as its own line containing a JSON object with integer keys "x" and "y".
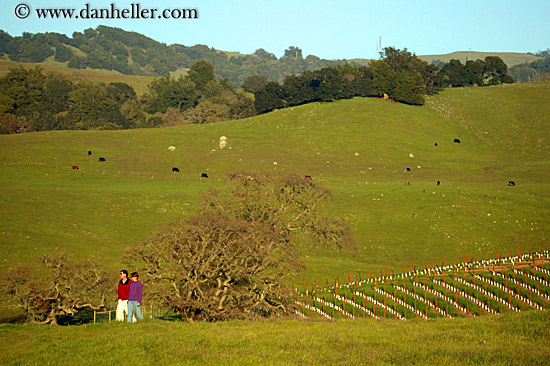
{"x": 124, "y": 271}
{"x": 134, "y": 274}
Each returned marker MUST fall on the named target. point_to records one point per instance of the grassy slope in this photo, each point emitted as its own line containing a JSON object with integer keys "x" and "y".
{"x": 512, "y": 339}
{"x": 104, "y": 208}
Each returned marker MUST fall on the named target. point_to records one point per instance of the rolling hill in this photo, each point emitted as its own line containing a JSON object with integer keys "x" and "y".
{"x": 359, "y": 148}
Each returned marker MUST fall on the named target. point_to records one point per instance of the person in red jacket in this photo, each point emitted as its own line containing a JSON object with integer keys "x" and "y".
{"x": 123, "y": 292}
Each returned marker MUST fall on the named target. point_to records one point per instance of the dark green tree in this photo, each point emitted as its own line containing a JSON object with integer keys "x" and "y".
{"x": 495, "y": 71}
{"x": 201, "y": 73}
{"x": 254, "y": 83}
{"x": 293, "y": 52}
{"x": 269, "y": 98}
{"x": 62, "y": 53}
{"x": 168, "y": 92}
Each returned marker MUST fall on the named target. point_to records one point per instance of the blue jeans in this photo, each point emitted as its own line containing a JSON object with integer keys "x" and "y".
{"x": 131, "y": 306}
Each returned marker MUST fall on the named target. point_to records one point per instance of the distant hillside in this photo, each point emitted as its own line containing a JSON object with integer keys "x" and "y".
{"x": 138, "y": 82}
{"x": 509, "y": 58}
{"x": 131, "y": 53}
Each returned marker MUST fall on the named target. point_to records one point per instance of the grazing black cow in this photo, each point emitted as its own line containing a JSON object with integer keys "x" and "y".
{"x": 438, "y": 182}
{"x": 436, "y": 144}
{"x": 175, "y": 170}
{"x": 511, "y": 183}
{"x": 408, "y": 169}
{"x": 101, "y": 159}
{"x": 204, "y": 175}
{"x": 89, "y": 152}
{"x": 457, "y": 141}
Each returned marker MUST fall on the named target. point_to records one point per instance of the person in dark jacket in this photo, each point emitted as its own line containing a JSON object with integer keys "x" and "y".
{"x": 134, "y": 298}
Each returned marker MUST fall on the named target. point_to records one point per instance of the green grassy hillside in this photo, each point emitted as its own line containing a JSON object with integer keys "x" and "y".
{"x": 358, "y": 148}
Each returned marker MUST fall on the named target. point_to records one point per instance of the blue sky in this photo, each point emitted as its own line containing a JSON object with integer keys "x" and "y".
{"x": 328, "y": 29}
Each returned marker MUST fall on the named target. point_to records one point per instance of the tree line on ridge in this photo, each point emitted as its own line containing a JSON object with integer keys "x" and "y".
{"x": 31, "y": 100}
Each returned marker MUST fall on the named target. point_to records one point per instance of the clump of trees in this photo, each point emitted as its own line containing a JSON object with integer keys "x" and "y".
{"x": 491, "y": 71}
{"x": 538, "y": 70}
{"x": 229, "y": 261}
{"x": 197, "y": 98}
{"x": 399, "y": 74}
{"x": 58, "y": 286}
{"x": 33, "y": 100}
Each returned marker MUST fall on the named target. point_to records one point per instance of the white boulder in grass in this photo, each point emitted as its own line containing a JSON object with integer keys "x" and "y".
{"x": 411, "y": 155}
{"x": 172, "y": 148}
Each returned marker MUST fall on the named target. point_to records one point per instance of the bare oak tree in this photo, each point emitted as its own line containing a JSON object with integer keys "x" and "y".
{"x": 288, "y": 204}
{"x": 211, "y": 267}
{"x": 63, "y": 287}
{"x": 230, "y": 260}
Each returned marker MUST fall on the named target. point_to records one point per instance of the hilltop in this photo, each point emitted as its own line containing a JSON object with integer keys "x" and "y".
{"x": 131, "y": 53}
{"x": 510, "y": 58}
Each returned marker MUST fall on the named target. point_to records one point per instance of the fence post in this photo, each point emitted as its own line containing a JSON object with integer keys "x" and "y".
{"x": 109, "y": 316}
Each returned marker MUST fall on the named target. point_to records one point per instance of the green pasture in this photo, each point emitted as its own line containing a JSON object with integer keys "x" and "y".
{"x": 508, "y": 339}
{"x": 358, "y": 148}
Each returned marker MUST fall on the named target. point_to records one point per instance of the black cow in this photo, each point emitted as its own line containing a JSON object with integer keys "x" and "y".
{"x": 89, "y": 152}
{"x": 408, "y": 169}
{"x": 438, "y": 182}
{"x": 101, "y": 159}
{"x": 436, "y": 144}
{"x": 175, "y": 170}
{"x": 204, "y": 175}
{"x": 457, "y": 141}
{"x": 511, "y": 183}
